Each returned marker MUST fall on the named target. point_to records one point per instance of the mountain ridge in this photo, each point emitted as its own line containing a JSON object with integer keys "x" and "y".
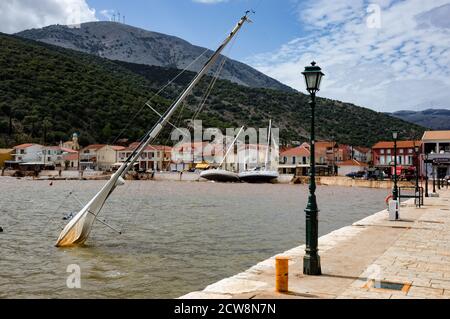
{"x": 436, "y": 119}
{"x": 122, "y": 42}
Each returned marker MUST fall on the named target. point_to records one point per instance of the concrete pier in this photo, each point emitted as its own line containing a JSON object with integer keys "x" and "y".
{"x": 364, "y": 260}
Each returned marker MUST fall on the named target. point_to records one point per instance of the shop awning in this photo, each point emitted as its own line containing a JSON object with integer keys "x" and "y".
{"x": 202, "y": 166}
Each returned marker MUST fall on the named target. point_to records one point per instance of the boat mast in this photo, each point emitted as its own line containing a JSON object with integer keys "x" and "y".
{"x": 231, "y": 147}
{"x": 78, "y": 229}
{"x": 268, "y": 145}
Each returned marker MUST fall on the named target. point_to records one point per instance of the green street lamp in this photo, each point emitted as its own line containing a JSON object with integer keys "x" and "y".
{"x": 395, "y": 189}
{"x": 426, "y": 175}
{"x": 433, "y": 171}
{"x": 416, "y": 151}
{"x": 311, "y": 261}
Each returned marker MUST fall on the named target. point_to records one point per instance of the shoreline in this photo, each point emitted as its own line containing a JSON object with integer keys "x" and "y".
{"x": 412, "y": 251}
{"x": 195, "y": 177}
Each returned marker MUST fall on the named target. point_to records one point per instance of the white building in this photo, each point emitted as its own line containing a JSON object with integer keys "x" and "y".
{"x": 54, "y": 155}
{"x": 27, "y": 153}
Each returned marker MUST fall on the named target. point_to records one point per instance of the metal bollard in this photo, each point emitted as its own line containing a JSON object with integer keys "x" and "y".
{"x": 282, "y": 274}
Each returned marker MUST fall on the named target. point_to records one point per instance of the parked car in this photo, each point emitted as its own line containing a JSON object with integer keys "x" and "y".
{"x": 375, "y": 175}
{"x": 359, "y": 174}
{"x": 407, "y": 176}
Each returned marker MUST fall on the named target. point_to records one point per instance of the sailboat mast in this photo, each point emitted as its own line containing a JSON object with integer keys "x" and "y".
{"x": 231, "y": 147}
{"x": 268, "y": 145}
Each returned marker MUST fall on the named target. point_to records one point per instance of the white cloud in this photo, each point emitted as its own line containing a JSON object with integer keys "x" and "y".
{"x": 209, "y": 1}
{"x": 18, "y": 15}
{"x": 404, "y": 64}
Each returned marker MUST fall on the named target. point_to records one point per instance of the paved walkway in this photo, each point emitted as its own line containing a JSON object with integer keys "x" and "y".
{"x": 414, "y": 251}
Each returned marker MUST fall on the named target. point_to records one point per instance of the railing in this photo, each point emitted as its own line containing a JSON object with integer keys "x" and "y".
{"x": 418, "y": 196}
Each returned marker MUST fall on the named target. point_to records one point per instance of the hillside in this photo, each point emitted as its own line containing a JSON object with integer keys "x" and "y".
{"x": 48, "y": 92}
{"x": 122, "y": 42}
{"x": 436, "y": 119}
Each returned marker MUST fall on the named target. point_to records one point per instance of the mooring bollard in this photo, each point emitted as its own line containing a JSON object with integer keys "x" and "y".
{"x": 281, "y": 274}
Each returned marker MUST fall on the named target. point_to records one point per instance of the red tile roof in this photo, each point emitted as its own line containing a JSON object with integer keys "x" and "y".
{"x": 71, "y": 157}
{"x": 400, "y": 144}
{"x": 296, "y": 151}
{"x": 94, "y": 146}
{"x": 436, "y": 135}
{"x": 23, "y": 146}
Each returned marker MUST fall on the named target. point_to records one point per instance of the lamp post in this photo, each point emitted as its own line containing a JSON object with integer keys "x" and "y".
{"x": 311, "y": 261}
{"x": 426, "y": 175}
{"x": 433, "y": 172}
{"x": 416, "y": 151}
{"x": 395, "y": 189}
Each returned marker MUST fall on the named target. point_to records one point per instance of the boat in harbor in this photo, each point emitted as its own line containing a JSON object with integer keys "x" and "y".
{"x": 77, "y": 231}
{"x": 261, "y": 174}
{"x": 222, "y": 175}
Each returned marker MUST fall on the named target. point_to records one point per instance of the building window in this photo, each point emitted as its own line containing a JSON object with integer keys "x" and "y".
{"x": 382, "y": 160}
{"x": 382, "y": 151}
{"x": 389, "y": 151}
{"x": 410, "y": 151}
{"x": 401, "y": 151}
{"x": 388, "y": 159}
{"x": 294, "y": 159}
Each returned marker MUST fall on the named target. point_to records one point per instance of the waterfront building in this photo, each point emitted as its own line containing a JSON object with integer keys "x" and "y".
{"x": 295, "y": 160}
{"x": 436, "y": 146}
{"x": 53, "y": 156}
{"x": 327, "y": 153}
{"x": 383, "y": 155}
{"x": 107, "y": 156}
{"x": 362, "y": 154}
{"x": 88, "y": 156}
{"x": 154, "y": 157}
{"x": 25, "y": 154}
{"x": 350, "y": 166}
{"x": 71, "y": 161}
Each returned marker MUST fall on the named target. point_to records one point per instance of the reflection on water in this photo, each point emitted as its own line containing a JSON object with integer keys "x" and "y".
{"x": 177, "y": 236}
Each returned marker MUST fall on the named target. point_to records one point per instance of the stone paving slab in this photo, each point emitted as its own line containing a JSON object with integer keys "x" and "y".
{"x": 414, "y": 251}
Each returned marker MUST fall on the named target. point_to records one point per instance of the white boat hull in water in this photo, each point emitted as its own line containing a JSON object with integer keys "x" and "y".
{"x": 220, "y": 175}
{"x": 259, "y": 176}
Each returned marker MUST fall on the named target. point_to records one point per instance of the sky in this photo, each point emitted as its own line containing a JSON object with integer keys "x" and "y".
{"x": 386, "y": 55}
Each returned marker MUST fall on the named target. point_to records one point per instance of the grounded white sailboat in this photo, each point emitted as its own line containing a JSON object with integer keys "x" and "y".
{"x": 261, "y": 174}
{"x": 219, "y": 174}
{"x": 78, "y": 229}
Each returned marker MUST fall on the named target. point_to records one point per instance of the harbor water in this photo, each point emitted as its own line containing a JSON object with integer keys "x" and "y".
{"x": 177, "y": 237}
